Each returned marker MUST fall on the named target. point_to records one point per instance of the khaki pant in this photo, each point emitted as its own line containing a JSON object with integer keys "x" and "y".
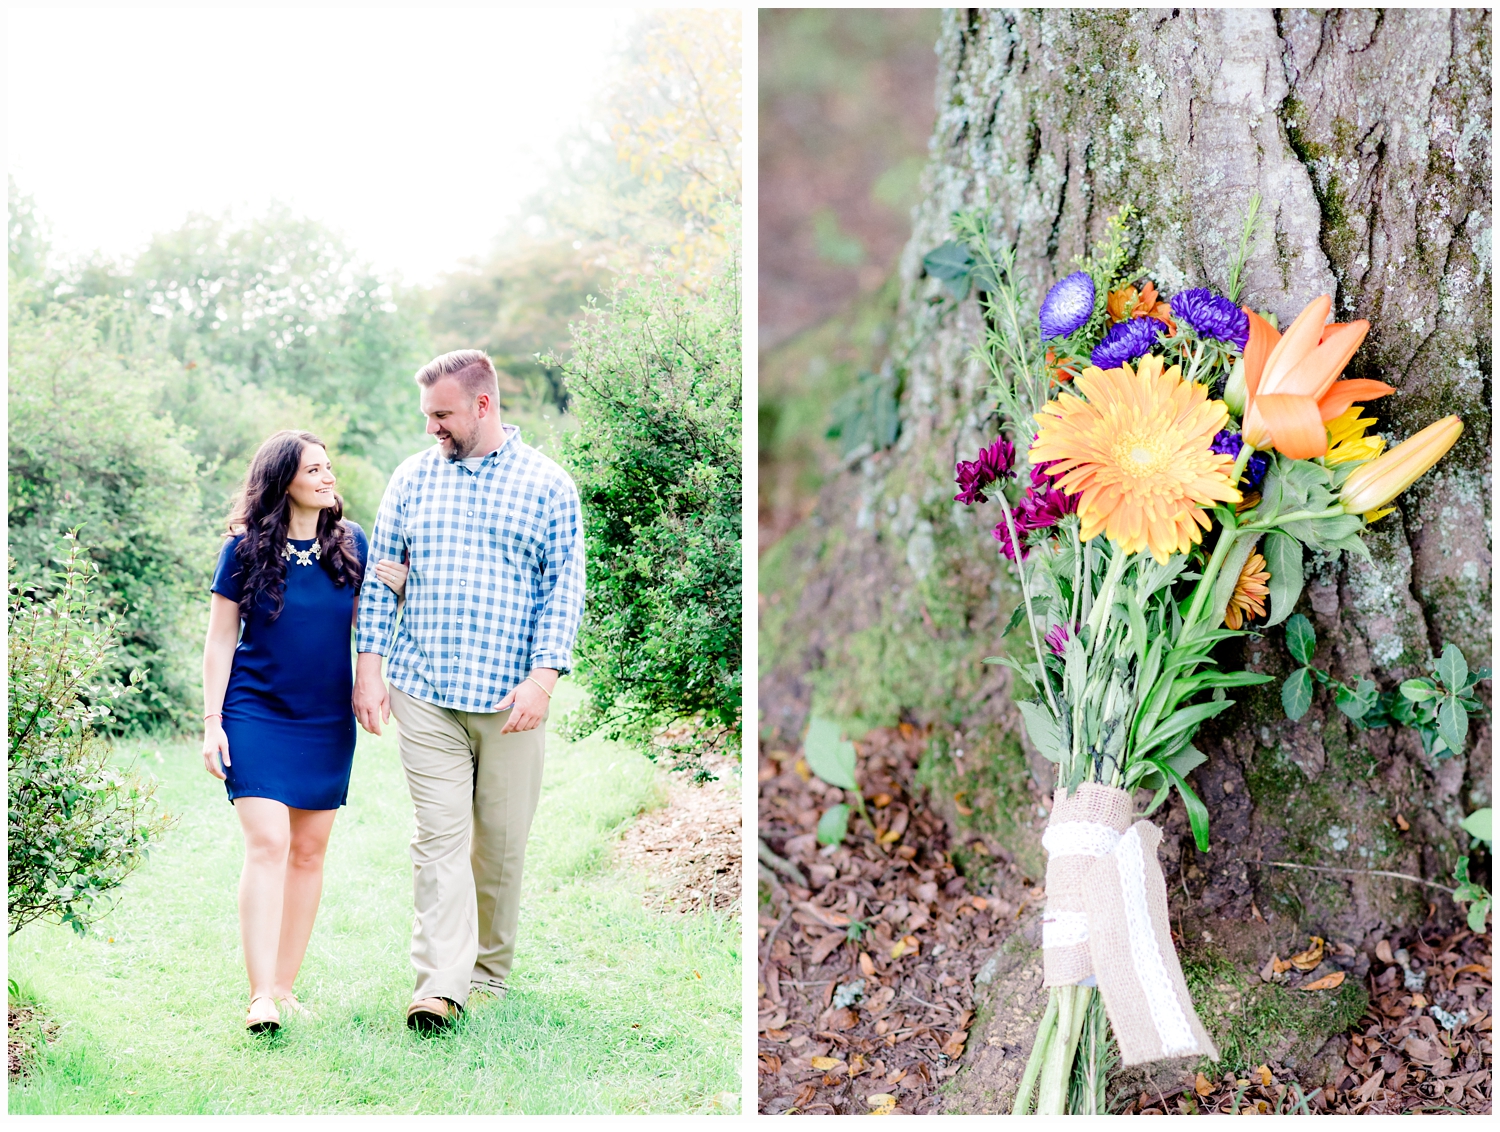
{"x": 475, "y": 792}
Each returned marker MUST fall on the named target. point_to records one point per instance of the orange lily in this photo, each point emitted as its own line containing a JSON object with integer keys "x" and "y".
{"x": 1292, "y": 380}
{"x": 1376, "y": 483}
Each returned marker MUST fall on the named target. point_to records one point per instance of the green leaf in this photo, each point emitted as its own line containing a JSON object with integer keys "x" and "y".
{"x": 1229, "y": 573}
{"x": 1301, "y": 638}
{"x": 1356, "y": 704}
{"x": 1283, "y": 556}
{"x": 1480, "y": 824}
{"x": 1452, "y": 669}
{"x": 1181, "y": 721}
{"x": 1297, "y": 694}
{"x": 1453, "y": 724}
{"x": 1186, "y": 760}
{"x": 1017, "y": 615}
{"x": 1043, "y": 730}
{"x": 1418, "y": 691}
{"x": 833, "y": 825}
{"x": 950, "y": 263}
{"x": 1197, "y": 812}
{"x": 1478, "y": 911}
{"x": 828, "y": 755}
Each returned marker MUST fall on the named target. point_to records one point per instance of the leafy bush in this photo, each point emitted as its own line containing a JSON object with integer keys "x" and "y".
{"x": 87, "y": 452}
{"x": 79, "y": 824}
{"x": 655, "y": 382}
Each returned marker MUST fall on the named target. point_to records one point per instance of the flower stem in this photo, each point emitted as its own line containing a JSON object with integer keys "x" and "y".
{"x": 1039, "y": 1047}
{"x": 1036, "y": 643}
{"x": 1227, "y": 534}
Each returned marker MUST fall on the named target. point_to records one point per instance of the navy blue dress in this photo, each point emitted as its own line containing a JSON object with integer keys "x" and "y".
{"x": 287, "y": 711}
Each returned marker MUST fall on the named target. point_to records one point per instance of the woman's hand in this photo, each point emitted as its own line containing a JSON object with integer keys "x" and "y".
{"x": 393, "y": 574}
{"x": 215, "y": 748}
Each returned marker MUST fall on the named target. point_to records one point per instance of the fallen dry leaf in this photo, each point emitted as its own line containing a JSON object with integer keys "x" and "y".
{"x": 1264, "y": 1072}
{"x": 954, "y": 1046}
{"x": 1307, "y": 960}
{"x": 824, "y": 1064}
{"x": 881, "y": 1104}
{"x": 857, "y": 1065}
{"x": 980, "y": 903}
{"x": 958, "y": 804}
{"x": 889, "y": 837}
{"x": 1383, "y": 951}
{"x": 880, "y": 801}
{"x": 866, "y": 965}
{"x": 1403, "y": 823}
{"x": 827, "y": 946}
{"x": 804, "y": 771}
{"x": 1203, "y": 1086}
{"x": 1327, "y": 982}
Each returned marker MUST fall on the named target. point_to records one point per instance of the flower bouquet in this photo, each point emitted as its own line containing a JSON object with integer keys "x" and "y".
{"x": 1161, "y": 467}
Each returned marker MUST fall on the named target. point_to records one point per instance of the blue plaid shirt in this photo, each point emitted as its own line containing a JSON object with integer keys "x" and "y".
{"x": 496, "y": 582}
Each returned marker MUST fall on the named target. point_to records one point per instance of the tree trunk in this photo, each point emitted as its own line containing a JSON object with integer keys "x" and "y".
{"x": 1367, "y": 133}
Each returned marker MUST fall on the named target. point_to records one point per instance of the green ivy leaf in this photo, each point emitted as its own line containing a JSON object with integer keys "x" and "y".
{"x": 833, "y": 825}
{"x": 1356, "y": 704}
{"x": 1453, "y": 724}
{"x": 828, "y": 755}
{"x": 1301, "y": 638}
{"x": 1480, "y": 824}
{"x": 950, "y": 264}
{"x": 1284, "y": 561}
{"x": 1297, "y": 694}
{"x": 1478, "y": 911}
{"x": 1418, "y": 691}
{"x": 1452, "y": 669}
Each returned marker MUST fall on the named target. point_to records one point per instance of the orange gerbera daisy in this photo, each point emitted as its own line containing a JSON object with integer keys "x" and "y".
{"x": 1137, "y": 453}
{"x": 1250, "y": 592}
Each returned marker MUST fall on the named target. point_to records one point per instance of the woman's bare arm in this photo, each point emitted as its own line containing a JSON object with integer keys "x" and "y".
{"x": 218, "y": 658}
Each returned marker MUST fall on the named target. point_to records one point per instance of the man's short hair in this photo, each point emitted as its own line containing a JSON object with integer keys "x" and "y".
{"x": 473, "y": 369}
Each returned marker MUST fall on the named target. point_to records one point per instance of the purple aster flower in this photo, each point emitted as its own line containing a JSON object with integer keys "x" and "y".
{"x": 1212, "y": 316}
{"x": 1229, "y": 444}
{"x": 1057, "y": 639}
{"x": 1127, "y": 341}
{"x": 973, "y": 476}
{"x": 1041, "y": 508}
{"x": 1067, "y": 306}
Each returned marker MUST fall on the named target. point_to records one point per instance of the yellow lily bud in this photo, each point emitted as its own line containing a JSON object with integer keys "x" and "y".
{"x": 1374, "y": 484}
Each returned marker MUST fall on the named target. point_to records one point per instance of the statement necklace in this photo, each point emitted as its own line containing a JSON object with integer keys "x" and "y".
{"x": 301, "y": 557}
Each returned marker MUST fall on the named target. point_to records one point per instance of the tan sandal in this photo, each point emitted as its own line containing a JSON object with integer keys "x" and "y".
{"x": 291, "y": 1005}
{"x": 265, "y": 1021}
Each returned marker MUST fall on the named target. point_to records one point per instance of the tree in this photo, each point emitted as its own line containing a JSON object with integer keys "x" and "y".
{"x": 656, "y": 456}
{"x": 1366, "y": 133}
{"x": 88, "y": 454}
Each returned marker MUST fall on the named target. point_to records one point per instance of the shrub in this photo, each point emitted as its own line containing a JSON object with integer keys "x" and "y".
{"x": 655, "y": 384}
{"x": 79, "y": 824}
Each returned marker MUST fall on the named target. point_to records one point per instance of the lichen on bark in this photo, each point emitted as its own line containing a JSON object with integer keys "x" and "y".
{"x": 1368, "y": 135}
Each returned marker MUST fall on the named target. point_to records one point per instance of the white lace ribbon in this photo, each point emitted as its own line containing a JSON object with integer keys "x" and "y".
{"x": 1064, "y": 929}
{"x": 1166, "y": 1012}
{"x": 1079, "y": 839}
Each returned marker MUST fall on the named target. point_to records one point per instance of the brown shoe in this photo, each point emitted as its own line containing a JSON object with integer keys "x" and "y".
{"x": 262, "y": 1017}
{"x": 428, "y": 1015}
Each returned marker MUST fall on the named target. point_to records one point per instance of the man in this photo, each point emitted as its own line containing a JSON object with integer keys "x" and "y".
{"x": 492, "y": 531}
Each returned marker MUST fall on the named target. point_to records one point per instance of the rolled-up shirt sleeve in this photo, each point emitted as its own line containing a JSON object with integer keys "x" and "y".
{"x": 376, "y": 623}
{"x": 560, "y": 605}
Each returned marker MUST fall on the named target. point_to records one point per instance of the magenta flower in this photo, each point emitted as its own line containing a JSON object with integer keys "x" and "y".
{"x": 1057, "y": 639}
{"x": 1042, "y": 507}
{"x": 996, "y": 462}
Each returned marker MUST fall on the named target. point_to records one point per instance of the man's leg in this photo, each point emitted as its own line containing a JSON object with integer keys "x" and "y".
{"x": 508, "y": 782}
{"x": 439, "y": 763}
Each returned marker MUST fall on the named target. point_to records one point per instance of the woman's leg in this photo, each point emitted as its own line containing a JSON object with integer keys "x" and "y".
{"x": 303, "y": 888}
{"x": 267, "y": 829}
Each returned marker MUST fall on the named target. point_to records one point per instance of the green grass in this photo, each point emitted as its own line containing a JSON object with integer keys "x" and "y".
{"x": 612, "y": 1008}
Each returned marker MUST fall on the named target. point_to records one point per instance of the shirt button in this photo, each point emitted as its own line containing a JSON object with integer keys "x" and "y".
{"x": 462, "y": 582}
{"x": 471, "y": 512}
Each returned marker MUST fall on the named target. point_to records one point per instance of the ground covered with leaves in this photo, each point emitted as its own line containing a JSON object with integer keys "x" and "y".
{"x": 869, "y": 949}
{"x": 691, "y": 846}
{"x": 869, "y": 953}
{"x": 1423, "y": 1045}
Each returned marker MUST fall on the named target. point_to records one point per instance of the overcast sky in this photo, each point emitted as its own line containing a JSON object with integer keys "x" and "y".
{"x": 416, "y": 133}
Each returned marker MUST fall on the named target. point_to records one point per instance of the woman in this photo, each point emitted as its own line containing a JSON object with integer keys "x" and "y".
{"x": 277, "y": 681}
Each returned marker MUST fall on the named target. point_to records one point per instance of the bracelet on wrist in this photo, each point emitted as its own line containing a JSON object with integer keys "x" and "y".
{"x": 540, "y": 685}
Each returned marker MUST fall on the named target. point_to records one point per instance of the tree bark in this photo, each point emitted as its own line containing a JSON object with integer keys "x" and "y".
{"x": 1367, "y": 133}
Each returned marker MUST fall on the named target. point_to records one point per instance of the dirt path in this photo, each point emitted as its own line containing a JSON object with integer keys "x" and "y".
{"x": 691, "y": 847}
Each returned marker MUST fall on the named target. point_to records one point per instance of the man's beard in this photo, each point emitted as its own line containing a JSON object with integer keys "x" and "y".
{"x": 457, "y": 447}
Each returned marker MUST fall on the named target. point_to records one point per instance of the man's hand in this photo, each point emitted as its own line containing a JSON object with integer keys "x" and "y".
{"x": 529, "y": 702}
{"x": 372, "y": 703}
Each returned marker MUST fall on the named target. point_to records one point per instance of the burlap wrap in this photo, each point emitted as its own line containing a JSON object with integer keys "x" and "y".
{"x": 1106, "y": 916}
